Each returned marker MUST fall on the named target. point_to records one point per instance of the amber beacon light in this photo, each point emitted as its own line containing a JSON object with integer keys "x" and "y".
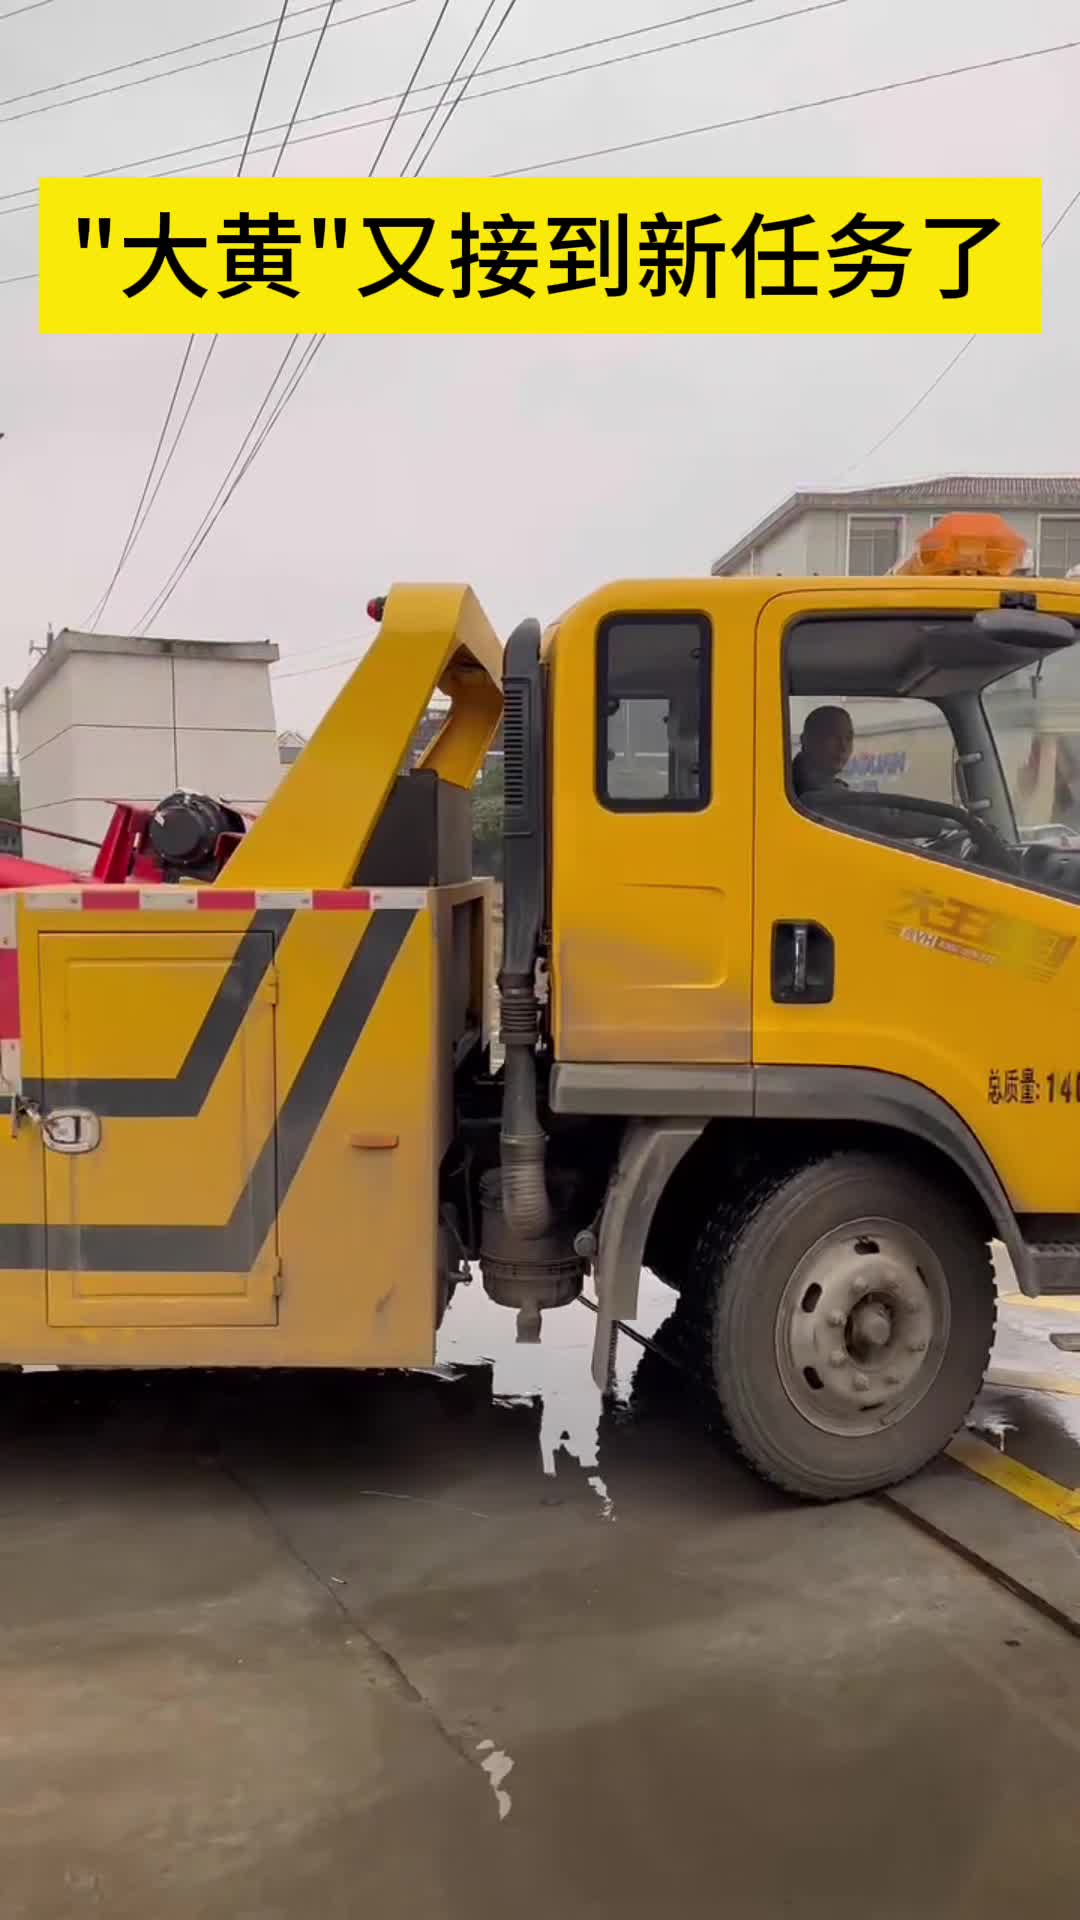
{"x": 967, "y": 543}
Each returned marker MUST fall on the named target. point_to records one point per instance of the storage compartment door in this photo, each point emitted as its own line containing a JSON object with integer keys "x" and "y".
{"x": 166, "y": 1042}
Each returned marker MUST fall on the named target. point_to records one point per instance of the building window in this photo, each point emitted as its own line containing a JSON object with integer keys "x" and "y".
{"x": 653, "y": 695}
{"x": 1059, "y": 545}
{"x": 873, "y": 542}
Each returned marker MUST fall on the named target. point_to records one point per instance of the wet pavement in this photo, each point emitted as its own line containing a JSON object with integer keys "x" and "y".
{"x": 1034, "y": 1396}
{"x": 468, "y": 1641}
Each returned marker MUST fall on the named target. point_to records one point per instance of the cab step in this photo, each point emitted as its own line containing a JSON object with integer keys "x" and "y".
{"x": 1056, "y": 1266}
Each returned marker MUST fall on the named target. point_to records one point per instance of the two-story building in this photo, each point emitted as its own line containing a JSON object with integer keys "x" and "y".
{"x": 866, "y": 530}
{"x": 904, "y": 746}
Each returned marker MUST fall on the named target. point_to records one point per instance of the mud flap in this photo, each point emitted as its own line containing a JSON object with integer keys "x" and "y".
{"x": 650, "y": 1152}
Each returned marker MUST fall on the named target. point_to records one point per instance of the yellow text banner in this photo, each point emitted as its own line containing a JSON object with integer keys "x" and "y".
{"x": 541, "y": 256}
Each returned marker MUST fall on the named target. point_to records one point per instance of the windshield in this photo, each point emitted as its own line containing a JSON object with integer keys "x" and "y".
{"x": 1035, "y": 721}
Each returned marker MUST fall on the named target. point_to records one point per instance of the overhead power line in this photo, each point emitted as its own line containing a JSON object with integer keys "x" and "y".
{"x": 379, "y": 100}
{"x": 31, "y": 6}
{"x": 256, "y": 436}
{"x": 295, "y": 673}
{"x": 466, "y": 84}
{"x": 89, "y": 624}
{"x": 224, "y": 493}
{"x": 169, "y": 53}
{"x": 411, "y": 82}
{"x": 319, "y": 340}
{"x": 797, "y": 106}
{"x": 252, "y": 124}
{"x": 170, "y": 73}
{"x": 327, "y": 666}
{"x": 145, "y": 504}
{"x": 461, "y": 59}
{"x": 315, "y": 52}
{"x": 308, "y": 649}
{"x": 964, "y": 348}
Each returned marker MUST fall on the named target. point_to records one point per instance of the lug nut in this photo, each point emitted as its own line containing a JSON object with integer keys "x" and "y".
{"x": 838, "y": 1358}
{"x": 917, "y": 1346}
{"x": 861, "y": 1383}
{"x": 835, "y": 1319}
{"x": 892, "y": 1379}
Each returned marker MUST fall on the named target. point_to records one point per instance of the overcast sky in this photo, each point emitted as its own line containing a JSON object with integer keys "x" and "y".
{"x": 535, "y": 469}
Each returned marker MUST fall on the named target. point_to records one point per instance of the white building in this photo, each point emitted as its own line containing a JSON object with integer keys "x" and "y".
{"x": 865, "y": 530}
{"x": 105, "y": 717}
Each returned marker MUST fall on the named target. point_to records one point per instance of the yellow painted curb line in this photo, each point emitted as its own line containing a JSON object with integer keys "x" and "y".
{"x": 1059, "y": 1503}
{"x": 1031, "y": 1382}
{"x": 1044, "y": 1302}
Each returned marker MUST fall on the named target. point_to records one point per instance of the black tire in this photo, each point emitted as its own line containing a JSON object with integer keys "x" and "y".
{"x": 746, "y": 1262}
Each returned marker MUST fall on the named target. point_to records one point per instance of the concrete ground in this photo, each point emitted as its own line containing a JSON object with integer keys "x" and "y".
{"x": 285, "y": 1646}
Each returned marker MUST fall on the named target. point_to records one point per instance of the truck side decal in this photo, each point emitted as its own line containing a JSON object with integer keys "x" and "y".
{"x": 234, "y": 1246}
{"x": 182, "y": 1097}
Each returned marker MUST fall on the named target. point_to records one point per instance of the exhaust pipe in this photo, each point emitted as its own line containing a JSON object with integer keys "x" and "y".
{"x": 522, "y": 1140}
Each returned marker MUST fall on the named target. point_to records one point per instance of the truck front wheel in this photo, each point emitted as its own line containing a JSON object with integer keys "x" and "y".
{"x": 851, "y": 1316}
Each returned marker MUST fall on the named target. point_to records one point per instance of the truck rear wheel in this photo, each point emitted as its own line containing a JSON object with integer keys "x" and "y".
{"x": 851, "y": 1316}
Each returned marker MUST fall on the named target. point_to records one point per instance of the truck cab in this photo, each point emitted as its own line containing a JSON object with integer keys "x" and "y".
{"x": 830, "y": 1025}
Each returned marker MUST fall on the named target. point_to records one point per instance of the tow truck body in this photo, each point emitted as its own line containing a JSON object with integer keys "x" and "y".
{"x": 805, "y": 1061}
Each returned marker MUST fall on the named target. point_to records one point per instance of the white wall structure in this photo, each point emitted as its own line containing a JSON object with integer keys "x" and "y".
{"x": 104, "y": 717}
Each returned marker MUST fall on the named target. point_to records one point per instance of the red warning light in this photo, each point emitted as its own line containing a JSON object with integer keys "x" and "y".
{"x": 377, "y": 607}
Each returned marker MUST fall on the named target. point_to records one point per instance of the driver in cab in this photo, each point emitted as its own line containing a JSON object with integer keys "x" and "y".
{"x": 828, "y": 738}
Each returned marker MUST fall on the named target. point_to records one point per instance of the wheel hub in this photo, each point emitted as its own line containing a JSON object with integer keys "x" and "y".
{"x": 862, "y": 1326}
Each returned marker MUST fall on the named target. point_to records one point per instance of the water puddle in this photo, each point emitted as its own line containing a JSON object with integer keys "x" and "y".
{"x": 555, "y": 1375}
{"x": 497, "y": 1765}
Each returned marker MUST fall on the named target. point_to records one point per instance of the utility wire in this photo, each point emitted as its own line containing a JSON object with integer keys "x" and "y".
{"x": 92, "y": 618}
{"x": 778, "y": 113}
{"x": 467, "y": 82}
{"x": 396, "y": 115}
{"x": 257, "y": 436}
{"x": 299, "y": 673}
{"x": 305, "y": 651}
{"x": 716, "y": 126}
{"x": 138, "y": 519}
{"x": 241, "y": 462}
{"x": 32, "y": 6}
{"x": 964, "y": 348}
{"x": 262, "y": 87}
{"x": 189, "y": 66}
{"x": 385, "y": 99}
{"x": 462, "y": 57}
{"x": 311, "y": 352}
{"x": 317, "y": 49}
{"x": 169, "y": 53}
{"x": 221, "y": 496}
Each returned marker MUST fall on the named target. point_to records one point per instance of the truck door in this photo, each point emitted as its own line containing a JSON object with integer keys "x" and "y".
{"x": 652, "y": 829}
{"x": 163, "y": 1045}
{"x": 906, "y": 957}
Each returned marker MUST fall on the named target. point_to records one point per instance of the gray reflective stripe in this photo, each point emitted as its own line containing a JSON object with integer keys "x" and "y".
{"x": 234, "y": 1247}
{"x": 183, "y": 1095}
{"x": 641, "y": 1090}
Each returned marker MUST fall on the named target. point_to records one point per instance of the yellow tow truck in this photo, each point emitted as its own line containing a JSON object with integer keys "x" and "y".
{"x": 803, "y": 1045}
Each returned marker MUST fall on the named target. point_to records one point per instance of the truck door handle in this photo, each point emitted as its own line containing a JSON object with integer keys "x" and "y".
{"x": 71, "y": 1130}
{"x": 803, "y": 963}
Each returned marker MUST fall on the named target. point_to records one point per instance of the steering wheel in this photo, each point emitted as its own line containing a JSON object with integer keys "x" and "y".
{"x": 990, "y": 848}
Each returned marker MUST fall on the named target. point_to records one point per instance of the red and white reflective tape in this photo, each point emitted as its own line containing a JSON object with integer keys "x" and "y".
{"x": 10, "y": 1022}
{"x": 124, "y": 899}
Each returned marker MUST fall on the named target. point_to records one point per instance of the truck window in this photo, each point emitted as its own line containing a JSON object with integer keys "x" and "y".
{"x": 653, "y": 705}
{"x": 898, "y": 746}
{"x": 1035, "y": 721}
{"x": 876, "y": 707}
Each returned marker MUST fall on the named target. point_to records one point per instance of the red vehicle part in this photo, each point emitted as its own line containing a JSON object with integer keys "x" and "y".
{"x": 125, "y": 856}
